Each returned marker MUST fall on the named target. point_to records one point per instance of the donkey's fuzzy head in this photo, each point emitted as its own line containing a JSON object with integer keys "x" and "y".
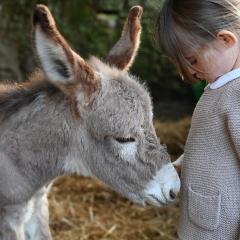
{"x": 116, "y": 132}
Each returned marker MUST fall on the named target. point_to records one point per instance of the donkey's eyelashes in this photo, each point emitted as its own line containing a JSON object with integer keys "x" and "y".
{"x": 125, "y": 140}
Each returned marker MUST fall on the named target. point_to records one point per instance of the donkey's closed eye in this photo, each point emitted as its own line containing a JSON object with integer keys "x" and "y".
{"x": 125, "y": 140}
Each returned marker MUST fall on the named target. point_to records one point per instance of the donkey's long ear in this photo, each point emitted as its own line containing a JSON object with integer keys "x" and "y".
{"x": 61, "y": 64}
{"x": 124, "y": 52}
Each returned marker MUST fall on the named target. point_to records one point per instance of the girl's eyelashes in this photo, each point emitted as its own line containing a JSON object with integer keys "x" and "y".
{"x": 193, "y": 62}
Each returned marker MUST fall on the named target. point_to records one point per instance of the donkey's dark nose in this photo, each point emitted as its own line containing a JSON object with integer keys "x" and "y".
{"x": 172, "y": 194}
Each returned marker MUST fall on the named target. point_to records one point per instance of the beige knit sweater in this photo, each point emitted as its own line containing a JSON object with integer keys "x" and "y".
{"x": 210, "y": 194}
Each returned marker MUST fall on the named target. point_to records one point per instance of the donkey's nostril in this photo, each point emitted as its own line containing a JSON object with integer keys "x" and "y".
{"x": 172, "y": 194}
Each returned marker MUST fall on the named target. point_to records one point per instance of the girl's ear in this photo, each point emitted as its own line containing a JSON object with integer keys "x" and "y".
{"x": 229, "y": 38}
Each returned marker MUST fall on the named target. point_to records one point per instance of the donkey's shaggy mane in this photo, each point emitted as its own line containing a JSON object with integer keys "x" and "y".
{"x": 15, "y": 96}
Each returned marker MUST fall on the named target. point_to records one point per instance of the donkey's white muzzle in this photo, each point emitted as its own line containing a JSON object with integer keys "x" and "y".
{"x": 164, "y": 187}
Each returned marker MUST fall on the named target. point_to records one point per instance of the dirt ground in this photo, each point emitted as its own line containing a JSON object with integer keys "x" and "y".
{"x": 85, "y": 209}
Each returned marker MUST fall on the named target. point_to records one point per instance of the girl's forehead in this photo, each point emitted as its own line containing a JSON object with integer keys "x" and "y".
{"x": 198, "y": 51}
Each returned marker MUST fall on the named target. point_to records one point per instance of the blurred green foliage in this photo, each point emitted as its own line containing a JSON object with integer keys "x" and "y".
{"x": 92, "y": 27}
{"x": 198, "y": 89}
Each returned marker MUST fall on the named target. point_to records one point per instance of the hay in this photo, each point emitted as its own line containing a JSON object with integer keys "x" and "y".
{"x": 85, "y": 209}
{"x": 173, "y": 134}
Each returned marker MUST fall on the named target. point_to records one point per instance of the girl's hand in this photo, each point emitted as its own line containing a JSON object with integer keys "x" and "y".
{"x": 178, "y": 164}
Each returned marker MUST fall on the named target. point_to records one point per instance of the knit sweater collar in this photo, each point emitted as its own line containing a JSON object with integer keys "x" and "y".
{"x": 226, "y": 78}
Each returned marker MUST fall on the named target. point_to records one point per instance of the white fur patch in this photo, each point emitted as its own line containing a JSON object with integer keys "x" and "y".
{"x": 32, "y": 228}
{"x": 29, "y": 211}
{"x": 75, "y": 165}
{"x": 158, "y": 190}
{"x": 30, "y": 220}
{"x": 47, "y": 50}
{"x": 128, "y": 151}
{"x": 36, "y": 215}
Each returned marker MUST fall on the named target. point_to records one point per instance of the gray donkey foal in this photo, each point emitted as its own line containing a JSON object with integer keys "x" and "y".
{"x": 90, "y": 118}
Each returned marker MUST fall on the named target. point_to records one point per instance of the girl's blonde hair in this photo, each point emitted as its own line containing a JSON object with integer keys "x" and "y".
{"x": 185, "y": 25}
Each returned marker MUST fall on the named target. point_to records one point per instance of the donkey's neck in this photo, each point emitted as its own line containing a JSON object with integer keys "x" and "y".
{"x": 37, "y": 137}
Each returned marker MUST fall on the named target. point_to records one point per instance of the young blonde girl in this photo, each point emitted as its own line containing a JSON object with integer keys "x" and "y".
{"x": 202, "y": 37}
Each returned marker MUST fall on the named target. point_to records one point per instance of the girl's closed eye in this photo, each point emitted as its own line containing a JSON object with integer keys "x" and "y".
{"x": 193, "y": 62}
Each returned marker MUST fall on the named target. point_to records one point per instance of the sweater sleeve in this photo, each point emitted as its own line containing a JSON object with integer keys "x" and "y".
{"x": 233, "y": 127}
